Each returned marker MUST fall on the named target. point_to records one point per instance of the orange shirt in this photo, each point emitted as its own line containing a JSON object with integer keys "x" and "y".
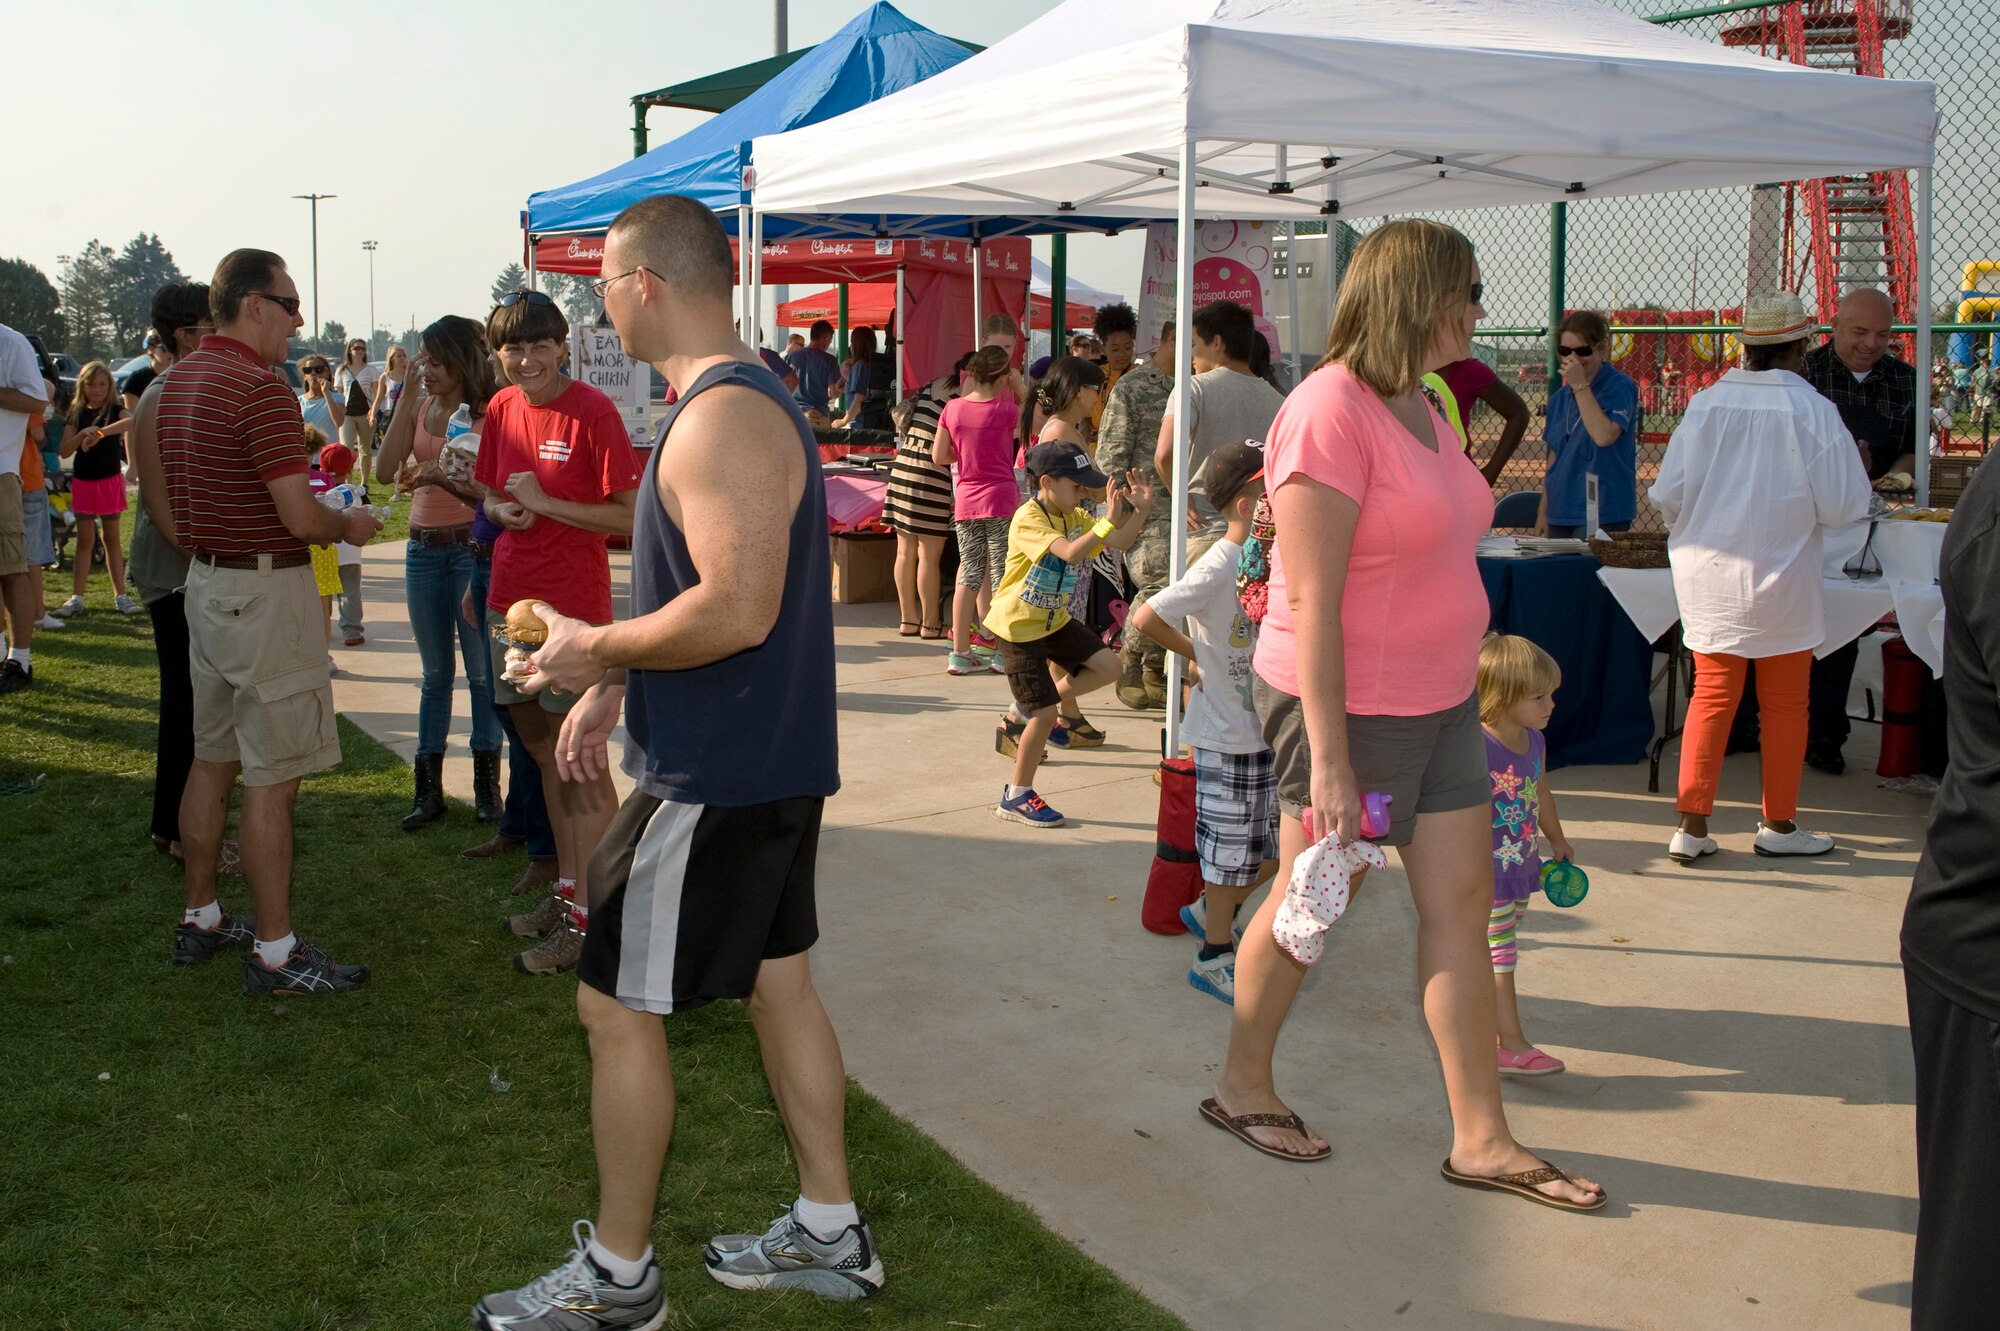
{"x": 33, "y": 477}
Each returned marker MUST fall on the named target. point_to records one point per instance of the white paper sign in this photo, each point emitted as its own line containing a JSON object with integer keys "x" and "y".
{"x": 598, "y": 358}
{"x": 1232, "y": 262}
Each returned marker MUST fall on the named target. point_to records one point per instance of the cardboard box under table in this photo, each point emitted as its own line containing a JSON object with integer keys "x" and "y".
{"x": 864, "y": 567}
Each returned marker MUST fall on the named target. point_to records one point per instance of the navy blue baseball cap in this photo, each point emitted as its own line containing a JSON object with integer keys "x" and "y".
{"x": 1064, "y": 461}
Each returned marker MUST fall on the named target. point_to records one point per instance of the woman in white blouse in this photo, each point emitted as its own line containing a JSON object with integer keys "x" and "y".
{"x": 1759, "y": 466}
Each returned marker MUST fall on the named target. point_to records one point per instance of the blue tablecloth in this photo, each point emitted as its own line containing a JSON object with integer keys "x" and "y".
{"x": 1604, "y": 712}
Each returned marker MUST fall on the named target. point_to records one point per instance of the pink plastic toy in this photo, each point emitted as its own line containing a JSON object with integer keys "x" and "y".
{"x": 1374, "y": 817}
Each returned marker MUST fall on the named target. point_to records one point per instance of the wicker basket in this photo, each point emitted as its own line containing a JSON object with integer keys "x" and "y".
{"x": 1631, "y": 550}
{"x": 1949, "y": 477}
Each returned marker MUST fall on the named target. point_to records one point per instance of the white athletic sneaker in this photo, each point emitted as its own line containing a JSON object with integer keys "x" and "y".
{"x": 50, "y": 622}
{"x": 69, "y": 607}
{"x": 1216, "y": 978}
{"x": 1687, "y": 849}
{"x": 1798, "y": 841}
{"x": 125, "y": 604}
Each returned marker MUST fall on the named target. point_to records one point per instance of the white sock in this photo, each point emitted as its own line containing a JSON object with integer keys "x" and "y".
{"x": 825, "y": 1222}
{"x": 204, "y": 917}
{"x": 20, "y": 654}
{"x": 275, "y": 953}
{"x": 626, "y": 1273}
{"x": 1015, "y": 792}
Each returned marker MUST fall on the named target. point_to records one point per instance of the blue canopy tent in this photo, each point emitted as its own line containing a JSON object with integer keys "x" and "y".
{"x": 879, "y": 52}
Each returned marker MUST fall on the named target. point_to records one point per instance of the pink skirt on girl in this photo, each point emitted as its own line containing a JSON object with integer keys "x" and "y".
{"x": 97, "y": 499}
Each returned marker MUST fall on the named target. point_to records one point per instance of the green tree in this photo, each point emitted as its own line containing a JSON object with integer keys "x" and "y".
{"x": 89, "y": 331}
{"x": 572, "y": 292}
{"x": 512, "y": 278}
{"x": 378, "y": 343}
{"x": 334, "y": 338}
{"x": 141, "y": 268}
{"x": 28, "y": 301}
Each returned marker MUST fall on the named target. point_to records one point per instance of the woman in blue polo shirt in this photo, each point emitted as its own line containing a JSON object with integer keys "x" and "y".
{"x": 1592, "y": 429}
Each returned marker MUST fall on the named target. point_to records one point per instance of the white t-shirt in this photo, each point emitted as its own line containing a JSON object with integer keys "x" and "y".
{"x": 18, "y": 371}
{"x": 1220, "y": 715}
{"x": 343, "y": 378}
{"x": 1760, "y": 465}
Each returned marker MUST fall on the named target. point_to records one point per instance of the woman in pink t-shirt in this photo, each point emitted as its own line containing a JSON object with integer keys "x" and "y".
{"x": 975, "y": 436}
{"x": 1365, "y": 681}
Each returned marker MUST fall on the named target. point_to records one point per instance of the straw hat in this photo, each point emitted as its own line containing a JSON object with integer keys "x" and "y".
{"x": 1774, "y": 318}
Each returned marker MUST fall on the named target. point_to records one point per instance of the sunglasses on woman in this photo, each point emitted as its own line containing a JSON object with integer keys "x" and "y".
{"x": 514, "y": 298}
{"x": 1565, "y": 351}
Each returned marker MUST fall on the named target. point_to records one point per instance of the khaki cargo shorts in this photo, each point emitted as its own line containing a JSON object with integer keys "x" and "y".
{"x": 13, "y": 529}
{"x": 257, "y": 651}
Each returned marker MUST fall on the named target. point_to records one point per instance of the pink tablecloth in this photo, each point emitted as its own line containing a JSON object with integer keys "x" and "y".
{"x": 854, "y": 503}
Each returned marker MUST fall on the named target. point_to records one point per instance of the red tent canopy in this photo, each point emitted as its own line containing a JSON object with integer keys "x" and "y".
{"x": 872, "y": 303}
{"x": 936, "y": 276}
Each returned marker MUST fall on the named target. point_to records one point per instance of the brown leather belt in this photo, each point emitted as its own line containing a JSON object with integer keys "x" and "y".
{"x": 459, "y": 535}
{"x": 253, "y": 562}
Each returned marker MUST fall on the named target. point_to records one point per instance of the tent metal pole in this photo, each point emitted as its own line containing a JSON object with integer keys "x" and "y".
{"x": 743, "y": 247}
{"x": 1558, "y": 284}
{"x": 840, "y": 337}
{"x": 755, "y": 324}
{"x": 978, "y": 306}
{"x": 1058, "y": 292}
{"x": 1183, "y": 371}
{"x": 1296, "y": 353}
{"x": 902, "y": 333}
{"x": 1920, "y": 354}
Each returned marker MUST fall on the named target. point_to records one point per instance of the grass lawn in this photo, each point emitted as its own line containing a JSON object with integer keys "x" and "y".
{"x": 181, "y": 1156}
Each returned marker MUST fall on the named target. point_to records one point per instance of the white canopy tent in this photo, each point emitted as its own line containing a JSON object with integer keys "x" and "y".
{"x": 1305, "y": 109}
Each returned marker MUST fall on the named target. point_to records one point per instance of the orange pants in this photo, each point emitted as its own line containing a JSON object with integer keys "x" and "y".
{"x": 1782, "y": 686}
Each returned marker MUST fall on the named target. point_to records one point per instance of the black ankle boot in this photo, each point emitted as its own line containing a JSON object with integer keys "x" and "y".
{"x": 428, "y": 806}
{"x": 486, "y": 785}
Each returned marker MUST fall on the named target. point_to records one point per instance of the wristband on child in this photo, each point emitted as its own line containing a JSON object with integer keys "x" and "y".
{"x": 1102, "y": 528}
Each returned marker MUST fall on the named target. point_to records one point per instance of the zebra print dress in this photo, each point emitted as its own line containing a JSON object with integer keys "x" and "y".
{"x": 919, "y": 502}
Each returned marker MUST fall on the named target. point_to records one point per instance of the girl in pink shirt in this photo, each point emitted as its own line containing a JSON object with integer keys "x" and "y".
{"x": 1366, "y": 673}
{"x": 975, "y": 436}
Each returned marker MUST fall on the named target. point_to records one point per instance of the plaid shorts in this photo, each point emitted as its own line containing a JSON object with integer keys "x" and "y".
{"x": 1235, "y": 815}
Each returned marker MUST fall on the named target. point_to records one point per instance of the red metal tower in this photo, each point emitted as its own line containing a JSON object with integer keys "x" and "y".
{"x": 1863, "y": 233}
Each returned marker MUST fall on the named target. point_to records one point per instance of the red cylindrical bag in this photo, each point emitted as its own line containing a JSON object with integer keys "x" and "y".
{"x": 1175, "y": 879}
{"x": 1903, "y": 678}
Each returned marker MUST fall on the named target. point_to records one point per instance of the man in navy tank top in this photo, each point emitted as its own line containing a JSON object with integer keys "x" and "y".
{"x": 703, "y": 885}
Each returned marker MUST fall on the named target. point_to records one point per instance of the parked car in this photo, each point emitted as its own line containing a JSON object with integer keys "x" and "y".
{"x": 123, "y": 371}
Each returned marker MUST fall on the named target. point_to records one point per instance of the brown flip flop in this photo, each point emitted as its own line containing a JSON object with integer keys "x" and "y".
{"x": 1239, "y": 1125}
{"x": 1524, "y": 1185}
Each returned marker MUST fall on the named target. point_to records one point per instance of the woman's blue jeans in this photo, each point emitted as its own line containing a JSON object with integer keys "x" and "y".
{"x": 435, "y": 580}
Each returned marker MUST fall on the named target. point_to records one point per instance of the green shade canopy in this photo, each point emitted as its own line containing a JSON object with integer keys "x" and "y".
{"x": 719, "y": 92}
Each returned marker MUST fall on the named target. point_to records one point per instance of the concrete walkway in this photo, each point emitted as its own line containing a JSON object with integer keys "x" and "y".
{"x": 1739, "y": 1066}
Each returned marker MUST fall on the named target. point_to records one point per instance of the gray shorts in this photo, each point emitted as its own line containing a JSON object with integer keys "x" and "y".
{"x": 37, "y": 532}
{"x": 1425, "y": 764}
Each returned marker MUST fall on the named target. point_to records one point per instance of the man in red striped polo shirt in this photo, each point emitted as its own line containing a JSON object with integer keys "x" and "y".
{"x": 232, "y": 444}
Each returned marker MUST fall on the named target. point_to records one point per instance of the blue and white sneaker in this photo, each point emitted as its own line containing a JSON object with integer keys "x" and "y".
{"x": 790, "y": 1256}
{"x": 965, "y": 663}
{"x": 579, "y": 1295}
{"x": 1027, "y": 807}
{"x": 1215, "y": 977}
{"x": 1194, "y": 919}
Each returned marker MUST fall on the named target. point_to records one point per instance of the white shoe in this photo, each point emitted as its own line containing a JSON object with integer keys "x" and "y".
{"x": 50, "y": 622}
{"x": 1687, "y": 849}
{"x": 125, "y": 604}
{"x": 69, "y": 607}
{"x": 1798, "y": 841}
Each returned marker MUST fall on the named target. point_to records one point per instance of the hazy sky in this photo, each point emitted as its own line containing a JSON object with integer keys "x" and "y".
{"x": 431, "y": 121}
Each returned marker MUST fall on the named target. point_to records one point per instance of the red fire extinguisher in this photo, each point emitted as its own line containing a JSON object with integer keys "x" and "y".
{"x": 1904, "y": 676}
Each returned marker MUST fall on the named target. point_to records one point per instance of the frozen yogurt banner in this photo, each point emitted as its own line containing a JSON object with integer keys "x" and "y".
{"x": 598, "y": 358}
{"x": 1232, "y": 261}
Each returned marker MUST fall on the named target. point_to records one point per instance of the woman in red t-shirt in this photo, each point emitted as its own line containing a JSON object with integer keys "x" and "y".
{"x": 557, "y": 466}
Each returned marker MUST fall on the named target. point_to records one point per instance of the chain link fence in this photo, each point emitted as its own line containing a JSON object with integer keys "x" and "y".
{"x": 1686, "y": 260}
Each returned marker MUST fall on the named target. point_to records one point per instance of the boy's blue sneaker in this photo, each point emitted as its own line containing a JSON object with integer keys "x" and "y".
{"x": 1194, "y": 918}
{"x": 1027, "y": 807}
{"x": 1216, "y": 977}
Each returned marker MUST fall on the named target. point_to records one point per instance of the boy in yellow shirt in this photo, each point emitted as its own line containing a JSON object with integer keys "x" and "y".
{"x": 1049, "y": 542}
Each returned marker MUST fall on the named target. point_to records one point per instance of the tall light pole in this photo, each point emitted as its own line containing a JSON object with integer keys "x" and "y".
{"x": 314, "y": 200}
{"x": 369, "y": 245}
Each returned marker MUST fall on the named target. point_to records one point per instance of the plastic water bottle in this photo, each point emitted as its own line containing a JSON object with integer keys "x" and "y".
{"x": 461, "y": 445}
